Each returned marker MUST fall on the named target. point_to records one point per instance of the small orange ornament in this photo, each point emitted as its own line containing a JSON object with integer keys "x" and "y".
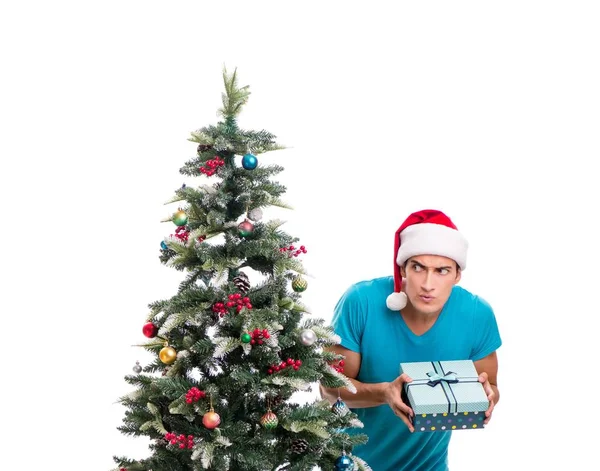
{"x": 211, "y": 419}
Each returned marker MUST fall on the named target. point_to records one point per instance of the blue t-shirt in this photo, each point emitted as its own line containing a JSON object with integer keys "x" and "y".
{"x": 466, "y": 329}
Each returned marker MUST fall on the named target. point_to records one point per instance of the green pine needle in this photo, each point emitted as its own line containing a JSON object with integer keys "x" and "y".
{"x": 234, "y": 97}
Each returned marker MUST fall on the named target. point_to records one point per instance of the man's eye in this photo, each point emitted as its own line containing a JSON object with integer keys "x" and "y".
{"x": 417, "y": 267}
{"x": 444, "y": 271}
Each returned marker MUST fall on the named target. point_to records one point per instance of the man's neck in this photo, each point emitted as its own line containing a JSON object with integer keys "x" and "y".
{"x": 418, "y": 320}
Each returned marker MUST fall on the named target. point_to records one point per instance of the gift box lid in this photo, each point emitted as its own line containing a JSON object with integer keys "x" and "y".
{"x": 444, "y": 387}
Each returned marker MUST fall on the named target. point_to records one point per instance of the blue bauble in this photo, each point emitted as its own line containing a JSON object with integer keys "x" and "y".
{"x": 340, "y": 408}
{"x": 344, "y": 463}
{"x": 249, "y": 162}
{"x": 163, "y": 245}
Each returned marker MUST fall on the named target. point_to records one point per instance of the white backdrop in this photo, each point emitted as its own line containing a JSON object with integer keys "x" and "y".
{"x": 488, "y": 111}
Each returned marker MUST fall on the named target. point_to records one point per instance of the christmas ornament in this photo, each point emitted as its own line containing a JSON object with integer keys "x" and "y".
{"x": 182, "y": 233}
{"x": 180, "y": 218}
{"x": 308, "y": 337}
{"x": 255, "y": 214}
{"x": 184, "y": 442}
{"x": 137, "y": 368}
{"x": 211, "y": 419}
{"x": 344, "y": 463}
{"x": 194, "y": 395}
{"x": 167, "y": 355}
{"x": 339, "y": 407}
{"x": 293, "y": 251}
{"x": 299, "y": 446}
{"x": 276, "y": 400}
{"x": 242, "y": 282}
{"x": 219, "y": 308}
{"x": 150, "y": 330}
{"x": 235, "y": 300}
{"x": 245, "y": 228}
{"x": 246, "y": 338}
{"x": 249, "y": 162}
{"x": 299, "y": 284}
{"x": 269, "y": 420}
{"x": 339, "y": 366}
{"x": 212, "y": 166}
{"x": 163, "y": 245}
{"x": 295, "y": 364}
{"x": 258, "y": 336}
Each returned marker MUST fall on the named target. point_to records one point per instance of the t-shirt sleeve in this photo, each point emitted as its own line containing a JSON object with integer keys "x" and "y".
{"x": 485, "y": 328}
{"x": 349, "y": 319}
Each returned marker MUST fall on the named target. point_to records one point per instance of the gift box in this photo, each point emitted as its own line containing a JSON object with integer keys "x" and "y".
{"x": 444, "y": 395}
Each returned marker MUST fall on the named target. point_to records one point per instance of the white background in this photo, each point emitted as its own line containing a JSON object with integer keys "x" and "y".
{"x": 486, "y": 110}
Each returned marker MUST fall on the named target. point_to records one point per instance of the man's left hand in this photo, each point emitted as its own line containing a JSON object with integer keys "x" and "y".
{"x": 487, "y": 387}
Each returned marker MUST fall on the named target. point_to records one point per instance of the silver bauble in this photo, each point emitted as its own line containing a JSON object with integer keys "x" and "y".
{"x": 340, "y": 407}
{"x": 308, "y": 337}
{"x": 255, "y": 214}
{"x": 137, "y": 368}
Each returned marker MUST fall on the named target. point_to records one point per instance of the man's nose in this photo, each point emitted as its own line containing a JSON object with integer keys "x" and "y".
{"x": 427, "y": 284}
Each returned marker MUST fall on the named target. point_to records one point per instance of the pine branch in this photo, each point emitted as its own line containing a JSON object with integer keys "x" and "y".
{"x": 234, "y": 97}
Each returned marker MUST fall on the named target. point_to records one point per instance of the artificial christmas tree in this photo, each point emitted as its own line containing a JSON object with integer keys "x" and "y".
{"x": 227, "y": 354}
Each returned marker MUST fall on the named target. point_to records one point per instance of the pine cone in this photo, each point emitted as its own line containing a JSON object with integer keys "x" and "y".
{"x": 299, "y": 446}
{"x": 276, "y": 400}
{"x": 241, "y": 282}
{"x": 204, "y": 147}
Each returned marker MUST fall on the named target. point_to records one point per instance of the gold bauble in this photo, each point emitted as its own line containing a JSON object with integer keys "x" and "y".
{"x": 167, "y": 355}
{"x": 299, "y": 284}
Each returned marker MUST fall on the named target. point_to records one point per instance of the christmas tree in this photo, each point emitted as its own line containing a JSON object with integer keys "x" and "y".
{"x": 228, "y": 355}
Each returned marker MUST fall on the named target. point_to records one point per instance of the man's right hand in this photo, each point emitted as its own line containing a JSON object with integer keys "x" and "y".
{"x": 393, "y": 396}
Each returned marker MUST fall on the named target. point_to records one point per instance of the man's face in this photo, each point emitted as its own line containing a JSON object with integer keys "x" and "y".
{"x": 429, "y": 280}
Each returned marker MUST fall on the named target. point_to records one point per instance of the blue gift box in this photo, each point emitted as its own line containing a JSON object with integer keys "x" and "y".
{"x": 444, "y": 395}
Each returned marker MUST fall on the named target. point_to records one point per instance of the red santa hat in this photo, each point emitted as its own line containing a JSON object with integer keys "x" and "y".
{"x": 426, "y": 232}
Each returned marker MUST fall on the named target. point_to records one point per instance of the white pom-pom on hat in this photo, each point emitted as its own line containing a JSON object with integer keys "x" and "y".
{"x": 396, "y": 301}
{"x": 430, "y": 232}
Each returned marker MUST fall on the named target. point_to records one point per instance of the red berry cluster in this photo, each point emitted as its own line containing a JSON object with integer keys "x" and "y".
{"x": 194, "y": 395}
{"x": 284, "y": 364}
{"x": 258, "y": 336}
{"x": 293, "y": 251}
{"x": 182, "y": 439}
{"x": 182, "y": 233}
{"x": 339, "y": 366}
{"x": 235, "y": 300}
{"x": 212, "y": 166}
{"x": 201, "y": 238}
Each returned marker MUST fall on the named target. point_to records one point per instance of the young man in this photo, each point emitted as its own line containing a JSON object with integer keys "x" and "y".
{"x": 419, "y": 314}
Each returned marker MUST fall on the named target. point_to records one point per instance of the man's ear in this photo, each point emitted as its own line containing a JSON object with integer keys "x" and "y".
{"x": 402, "y": 271}
{"x": 458, "y": 276}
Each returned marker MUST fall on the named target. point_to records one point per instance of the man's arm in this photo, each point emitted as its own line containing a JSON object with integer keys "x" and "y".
{"x": 368, "y": 394}
{"x": 487, "y": 369}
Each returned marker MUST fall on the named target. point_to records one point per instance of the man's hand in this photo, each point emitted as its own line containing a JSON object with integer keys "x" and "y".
{"x": 393, "y": 397}
{"x": 487, "y": 387}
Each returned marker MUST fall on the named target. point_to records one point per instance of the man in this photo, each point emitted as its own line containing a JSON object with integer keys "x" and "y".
{"x": 427, "y": 317}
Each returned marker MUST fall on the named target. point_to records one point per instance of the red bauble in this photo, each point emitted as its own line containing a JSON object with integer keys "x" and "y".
{"x": 245, "y": 228}
{"x": 150, "y": 330}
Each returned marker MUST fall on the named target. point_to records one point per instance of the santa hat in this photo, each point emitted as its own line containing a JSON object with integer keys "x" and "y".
{"x": 426, "y": 232}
